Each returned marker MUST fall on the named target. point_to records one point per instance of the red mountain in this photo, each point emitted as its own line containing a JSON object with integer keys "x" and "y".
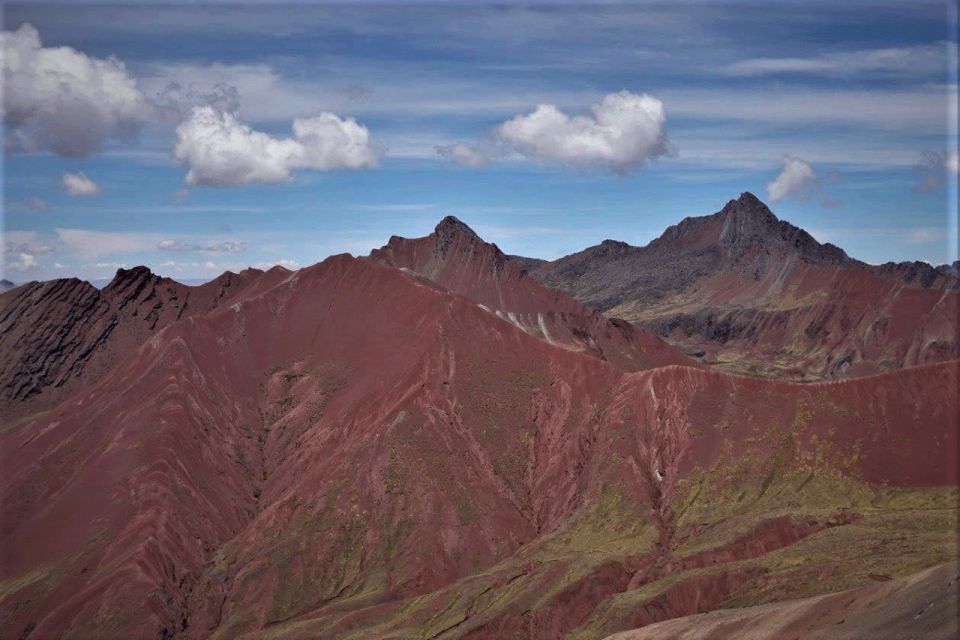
{"x": 355, "y": 450}
{"x": 749, "y": 292}
{"x": 457, "y": 259}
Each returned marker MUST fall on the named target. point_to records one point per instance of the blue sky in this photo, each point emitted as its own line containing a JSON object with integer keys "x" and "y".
{"x": 838, "y": 117}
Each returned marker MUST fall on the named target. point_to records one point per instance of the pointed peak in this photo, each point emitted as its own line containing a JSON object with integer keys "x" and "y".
{"x": 748, "y": 204}
{"x": 453, "y": 226}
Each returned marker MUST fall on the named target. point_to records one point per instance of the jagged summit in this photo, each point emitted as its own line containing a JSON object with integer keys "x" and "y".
{"x": 747, "y": 201}
{"x": 451, "y": 225}
{"x": 136, "y": 277}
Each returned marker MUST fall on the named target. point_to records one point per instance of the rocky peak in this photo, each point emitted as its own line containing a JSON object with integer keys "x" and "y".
{"x": 452, "y": 226}
{"x": 136, "y": 276}
{"x": 747, "y": 219}
{"x": 613, "y": 247}
{"x": 452, "y": 231}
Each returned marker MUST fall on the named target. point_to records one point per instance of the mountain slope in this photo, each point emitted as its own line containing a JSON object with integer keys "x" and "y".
{"x": 457, "y": 259}
{"x": 750, "y": 292}
{"x": 356, "y": 451}
{"x": 923, "y": 605}
{"x": 59, "y": 335}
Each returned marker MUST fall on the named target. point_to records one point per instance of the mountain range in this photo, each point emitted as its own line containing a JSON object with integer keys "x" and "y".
{"x": 748, "y": 292}
{"x": 431, "y": 442}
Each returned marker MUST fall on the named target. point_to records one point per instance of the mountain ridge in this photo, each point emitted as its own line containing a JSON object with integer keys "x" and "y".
{"x": 355, "y": 451}
{"x": 734, "y": 285}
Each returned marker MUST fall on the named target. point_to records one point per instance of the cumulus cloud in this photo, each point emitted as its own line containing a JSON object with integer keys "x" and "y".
{"x": 61, "y": 100}
{"x": 78, "y": 184}
{"x": 932, "y": 171}
{"x": 21, "y": 261}
{"x": 21, "y": 248}
{"x": 222, "y": 246}
{"x": 623, "y": 132}
{"x": 222, "y": 151}
{"x": 467, "y": 154}
{"x": 798, "y": 179}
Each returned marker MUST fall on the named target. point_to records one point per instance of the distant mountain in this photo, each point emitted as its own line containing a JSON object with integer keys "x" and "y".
{"x": 753, "y": 293}
{"x": 6, "y": 285}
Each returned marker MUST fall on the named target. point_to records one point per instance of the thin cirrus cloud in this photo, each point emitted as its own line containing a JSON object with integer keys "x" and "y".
{"x": 91, "y": 244}
{"x": 623, "y": 132}
{"x": 186, "y": 246}
{"x": 920, "y": 59}
{"x": 61, "y": 100}
{"x": 468, "y": 154}
{"x": 78, "y": 184}
{"x": 221, "y": 151}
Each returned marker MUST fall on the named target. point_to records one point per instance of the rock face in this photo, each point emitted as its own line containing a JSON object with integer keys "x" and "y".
{"x": 60, "y": 335}
{"x": 360, "y": 449}
{"x": 752, "y": 293}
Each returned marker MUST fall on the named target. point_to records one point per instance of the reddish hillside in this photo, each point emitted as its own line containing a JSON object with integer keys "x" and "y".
{"x": 752, "y": 293}
{"x": 457, "y": 259}
{"x": 923, "y": 605}
{"x": 59, "y": 335}
{"x": 356, "y": 451}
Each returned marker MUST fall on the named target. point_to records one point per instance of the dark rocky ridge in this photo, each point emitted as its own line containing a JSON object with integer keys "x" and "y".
{"x": 737, "y": 284}
{"x": 59, "y": 335}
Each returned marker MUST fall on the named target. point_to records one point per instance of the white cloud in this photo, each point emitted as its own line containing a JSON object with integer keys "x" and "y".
{"x": 467, "y": 154}
{"x": 221, "y": 151}
{"x": 78, "y": 184}
{"x": 21, "y": 248}
{"x": 221, "y": 246}
{"x": 92, "y": 244}
{"x": 61, "y": 100}
{"x": 22, "y": 262}
{"x": 623, "y": 133}
{"x": 930, "y": 58}
{"x": 796, "y": 177}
